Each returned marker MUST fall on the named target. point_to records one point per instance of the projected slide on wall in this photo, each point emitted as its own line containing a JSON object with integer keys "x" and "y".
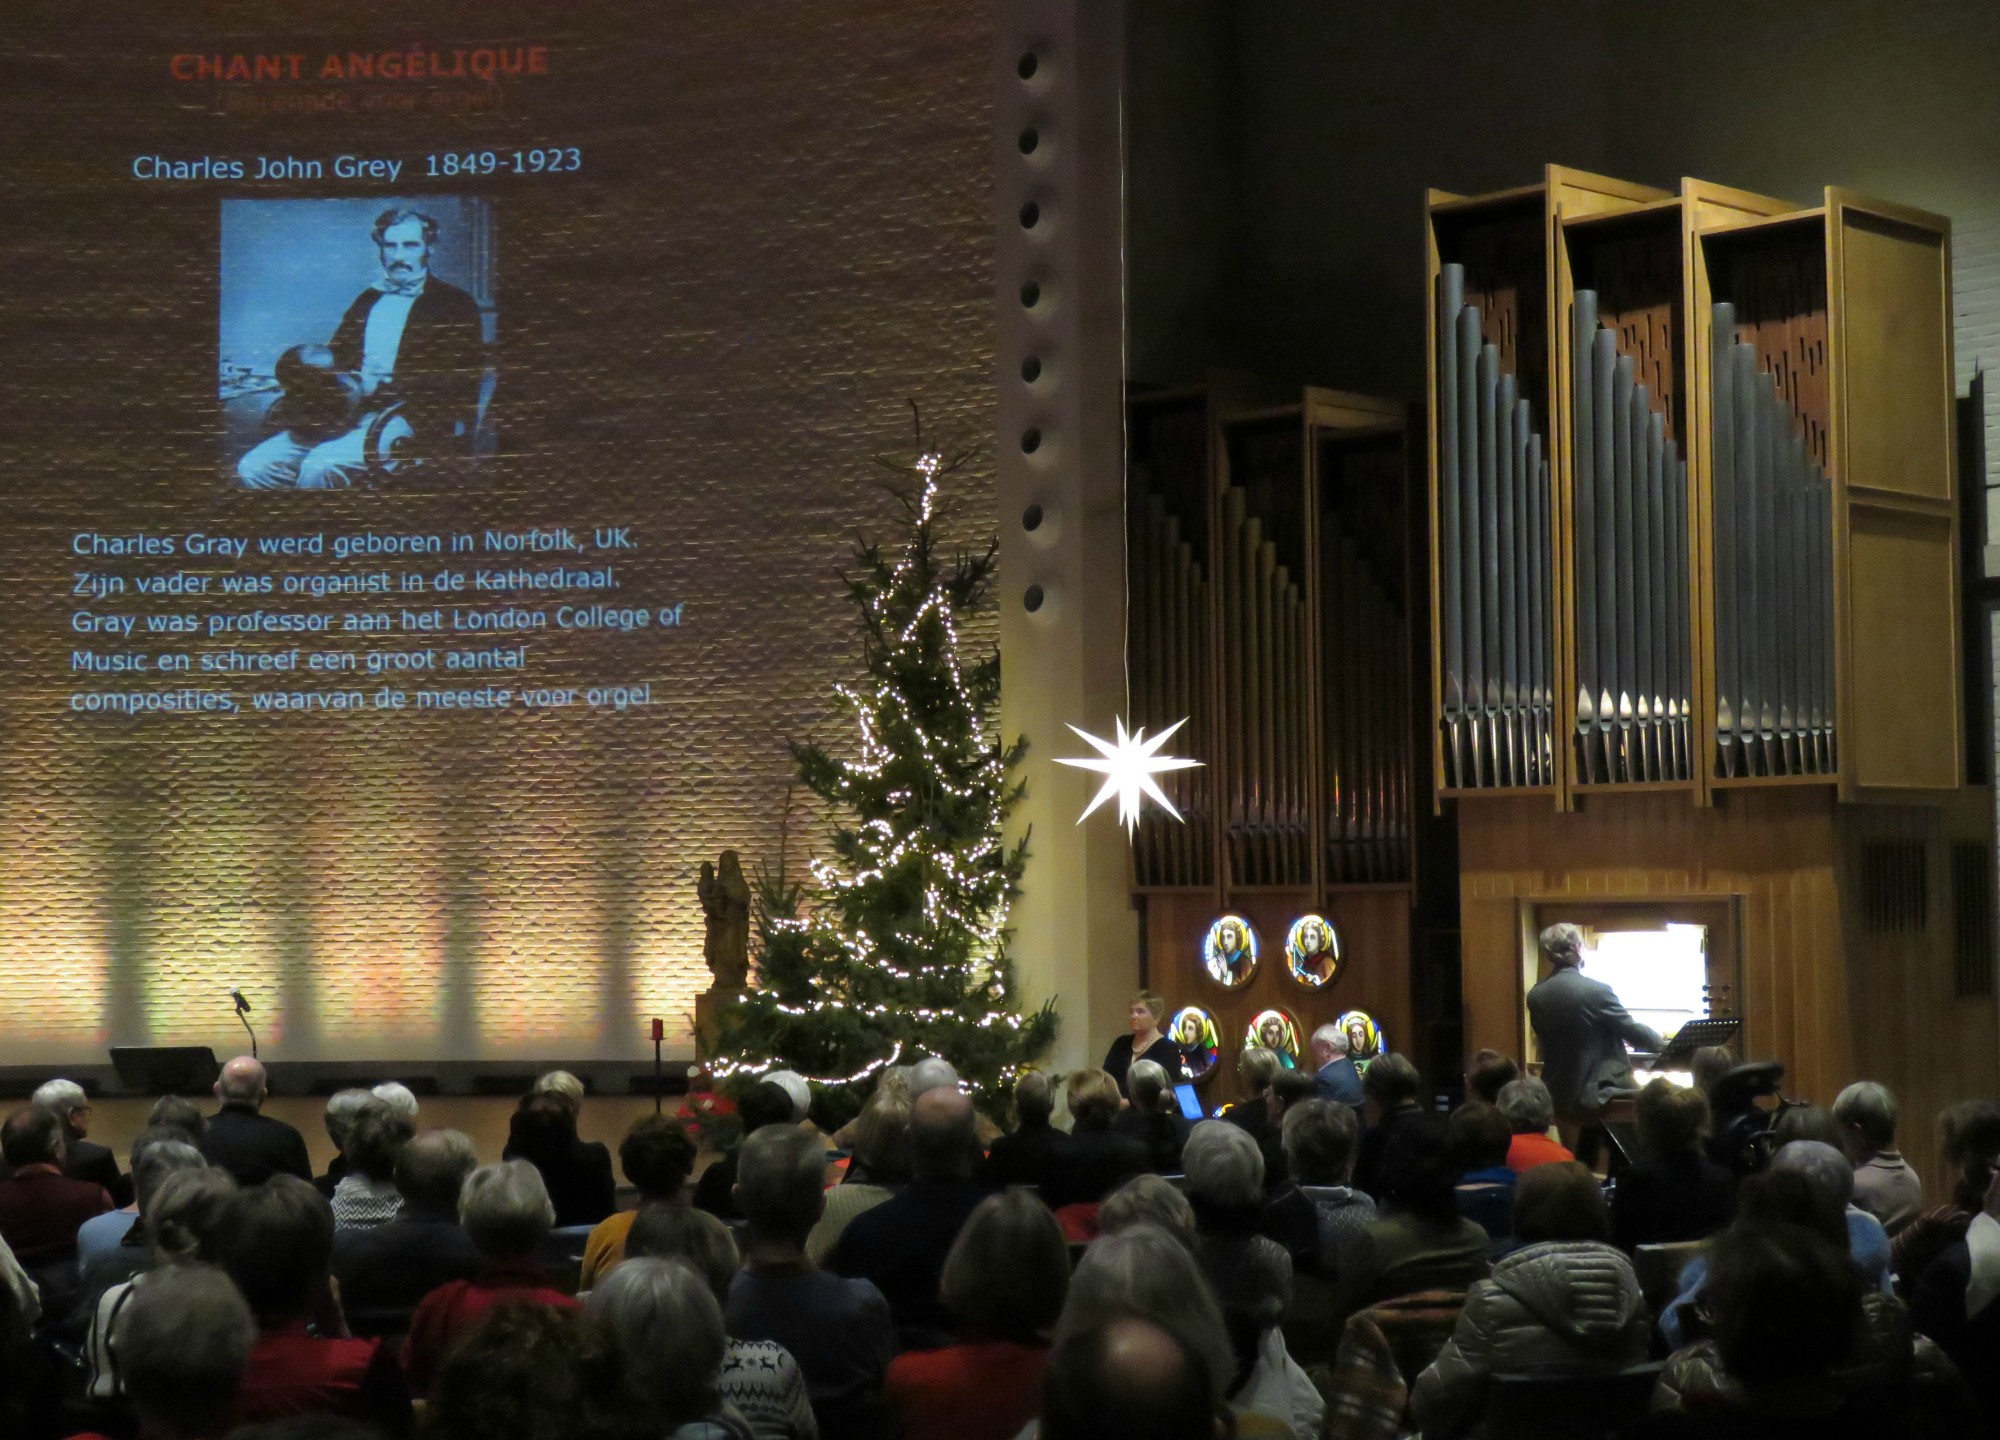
{"x": 427, "y": 456}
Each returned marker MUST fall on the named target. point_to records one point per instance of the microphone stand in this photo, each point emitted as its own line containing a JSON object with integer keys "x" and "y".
{"x": 243, "y": 1018}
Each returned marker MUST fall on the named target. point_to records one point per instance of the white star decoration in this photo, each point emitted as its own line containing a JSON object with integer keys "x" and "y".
{"x": 1128, "y": 768}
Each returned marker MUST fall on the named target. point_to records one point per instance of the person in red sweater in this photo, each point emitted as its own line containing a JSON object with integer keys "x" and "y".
{"x": 1530, "y": 1111}
{"x": 1004, "y": 1282}
{"x": 40, "y": 1207}
{"x": 276, "y": 1242}
{"x": 506, "y": 1210}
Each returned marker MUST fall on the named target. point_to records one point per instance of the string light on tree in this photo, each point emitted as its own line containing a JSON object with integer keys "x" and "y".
{"x": 1128, "y": 766}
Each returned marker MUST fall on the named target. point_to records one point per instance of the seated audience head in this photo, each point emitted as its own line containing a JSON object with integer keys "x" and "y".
{"x": 1562, "y": 945}
{"x": 1969, "y": 1137}
{"x": 530, "y": 1372}
{"x": 1562, "y": 1201}
{"x": 1224, "y": 1167}
{"x": 71, "y": 1104}
{"x": 561, "y": 1082}
{"x": 543, "y": 1127}
{"x": 243, "y": 1082}
{"x": 1710, "y": 1063}
{"x": 796, "y": 1090}
{"x": 1805, "y": 1122}
{"x": 1823, "y": 1164}
{"x": 781, "y": 1183}
{"x": 1007, "y": 1273}
{"x": 182, "y": 1341}
{"x": 1491, "y": 1072}
{"x": 693, "y": 1237}
{"x": 156, "y": 1154}
{"x": 183, "y": 1216}
{"x": 1148, "y": 1200}
{"x": 1418, "y": 1176}
{"x": 177, "y": 1112}
{"x": 931, "y": 1073}
{"x": 1259, "y": 1067}
{"x": 1093, "y": 1098}
{"x": 1671, "y": 1118}
{"x": 1866, "y": 1114}
{"x": 431, "y": 1171}
{"x": 1329, "y": 1043}
{"x": 763, "y": 1104}
{"x": 276, "y": 1241}
{"x": 1792, "y": 1197}
{"x": 1288, "y": 1088}
{"x": 882, "y": 1137}
{"x": 1480, "y": 1137}
{"x": 1129, "y": 1379}
{"x": 1034, "y": 1098}
{"x": 341, "y": 1109}
{"x": 398, "y": 1097}
{"x": 506, "y": 1210}
{"x": 1319, "y": 1140}
{"x": 1144, "y": 1273}
{"x": 1528, "y": 1106}
{"x": 944, "y": 1134}
{"x": 657, "y": 1156}
{"x": 664, "y": 1317}
{"x": 32, "y": 1135}
{"x": 1785, "y": 1304}
{"x": 1391, "y": 1082}
{"x": 1146, "y": 1082}
{"x": 375, "y": 1139}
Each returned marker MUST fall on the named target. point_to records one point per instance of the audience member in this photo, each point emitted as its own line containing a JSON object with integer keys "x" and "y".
{"x": 276, "y": 1241}
{"x": 1484, "y": 1192}
{"x": 366, "y": 1195}
{"x": 248, "y": 1144}
{"x": 533, "y": 1372}
{"x": 103, "y": 1234}
{"x": 931, "y": 1073}
{"x": 400, "y": 1099}
{"x": 507, "y": 1213}
{"x": 668, "y": 1328}
{"x": 759, "y": 1377}
{"x": 900, "y": 1245}
{"x": 1530, "y": 1111}
{"x": 83, "y": 1158}
{"x": 1097, "y": 1159}
{"x": 1828, "y": 1168}
{"x": 341, "y": 1108}
{"x": 1149, "y": 1200}
{"x": 1969, "y": 1144}
{"x": 1129, "y": 1379}
{"x": 1565, "y": 1298}
{"x": 1884, "y": 1184}
{"x": 181, "y": 1220}
{"x": 1709, "y": 1064}
{"x": 762, "y": 1104}
{"x": 878, "y": 1170}
{"x": 1334, "y": 1077}
{"x": 1035, "y": 1149}
{"x": 1004, "y": 1283}
{"x": 177, "y": 1112}
{"x": 797, "y": 1088}
{"x": 1804, "y": 1122}
{"x": 1153, "y": 1118}
{"x": 1953, "y": 1303}
{"x": 1289, "y": 1089}
{"x": 1421, "y": 1242}
{"x": 1143, "y": 1274}
{"x": 183, "y": 1344}
{"x": 1256, "y": 1067}
{"x": 156, "y": 1155}
{"x": 575, "y": 1172}
{"x": 837, "y": 1329}
{"x": 1315, "y": 1213}
{"x": 1490, "y": 1073}
{"x": 657, "y": 1156}
{"x": 41, "y": 1208}
{"x": 1674, "y": 1192}
{"x": 561, "y": 1082}
{"x": 1393, "y": 1088}
{"x": 385, "y": 1271}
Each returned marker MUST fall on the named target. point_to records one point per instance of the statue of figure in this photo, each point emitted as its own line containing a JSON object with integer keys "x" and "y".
{"x": 725, "y": 900}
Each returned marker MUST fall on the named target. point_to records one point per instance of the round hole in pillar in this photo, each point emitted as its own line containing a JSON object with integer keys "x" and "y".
{"x": 1030, "y": 140}
{"x": 1032, "y": 598}
{"x": 1031, "y": 369}
{"x": 1027, "y": 65}
{"x": 1031, "y": 440}
{"x": 1031, "y": 215}
{"x": 1031, "y": 295}
{"x": 1031, "y": 519}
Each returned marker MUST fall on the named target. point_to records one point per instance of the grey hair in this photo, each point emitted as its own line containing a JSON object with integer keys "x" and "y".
{"x": 1527, "y": 1104}
{"x": 1319, "y": 1138}
{"x": 1145, "y": 1272}
{"x": 182, "y": 1342}
{"x": 1147, "y": 1082}
{"x": 398, "y": 1097}
{"x": 157, "y": 1161}
{"x": 61, "y": 1096}
{"x": 1223, "y": 1164}
{"x": 1825, "y": 1167}
{"x": 181, "y": 1215}
{"x": 505, "y": 1208}
{"x": 341, "y": 1109}
{"x": 693, "y": 1237}
{"x": 1562, "y": 942}
{"x": 1148, "y": 1200}
{"x": 1259, "y": 1066}
{"x": 794, "y": 1085}
{"x": 665, "y": 1319}
{"x": 1333, "y": 1037}
{"x": 1034, "y": 1095}
{"x": 781, "y": 1179}
{"x": 931, "y": 1074}
{"x": 1871, "y": 1108}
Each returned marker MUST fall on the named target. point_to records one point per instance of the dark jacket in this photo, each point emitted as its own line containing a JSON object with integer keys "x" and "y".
{"x": 439, "y": 362}
{"x": 88, "y": 1160}
{"x": 1340, "y": 1082}
{"x": 1583, "y": 1031}
{"x": 899, "y": 1246}
{"x": 1373, "y": 1148}
{"x": 254, "y": 1147}
{"x": 578, "y": 1177}
{"x": 1162, "y": 1134}
{"x": 1163, "y": 1052}
{"x": 1670, "y": 1198}
{"x": 1027, "y": 1157}
{"x": 385, "y": 1270}
{"x": 1098, "y": 1162}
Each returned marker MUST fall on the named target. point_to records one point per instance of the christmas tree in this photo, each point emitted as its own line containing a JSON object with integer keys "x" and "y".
{"x": 897, "y": 948}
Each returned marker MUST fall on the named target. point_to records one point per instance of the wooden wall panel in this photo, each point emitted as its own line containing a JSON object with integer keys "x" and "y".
{"x": 1903, "y": 663}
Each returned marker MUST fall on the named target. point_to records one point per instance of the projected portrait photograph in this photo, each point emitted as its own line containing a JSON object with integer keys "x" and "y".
{"x": 356, "y": 340}
{"x": 1229, "y": 951}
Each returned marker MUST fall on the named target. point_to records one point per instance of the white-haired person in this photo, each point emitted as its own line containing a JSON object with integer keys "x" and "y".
{"x": 663, "y": 1318}
{"x": 1335, "y": 1077}
{"x": 366, "y": 1195}
{"x": 1150, "y": 1200}
{"x": 83, "y": 1158}
{"x": 183, "y": 1345}
{"x": 1530, "y": 1111}
{"x": 1154, "y": 1117}
{"x": 398, "y": 1097}
{"x": 338, "y": 1117}
{"x": 507, "y": 1213}
{"x": 1884, "y": 1184}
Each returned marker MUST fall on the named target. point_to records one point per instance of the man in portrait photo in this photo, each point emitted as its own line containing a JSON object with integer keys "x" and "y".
{"x": 404, "y": 365}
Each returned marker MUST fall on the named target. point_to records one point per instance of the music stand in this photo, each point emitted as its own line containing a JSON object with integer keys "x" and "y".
{"x": 1695, "y": 1035}
{"x": 165, "y": 1069}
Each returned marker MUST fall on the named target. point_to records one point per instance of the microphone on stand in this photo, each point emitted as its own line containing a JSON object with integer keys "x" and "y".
{"x": 243, "y": 1015}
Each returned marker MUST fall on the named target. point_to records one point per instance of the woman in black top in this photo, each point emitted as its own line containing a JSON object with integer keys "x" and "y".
{"x": 1146, "y": 1042}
